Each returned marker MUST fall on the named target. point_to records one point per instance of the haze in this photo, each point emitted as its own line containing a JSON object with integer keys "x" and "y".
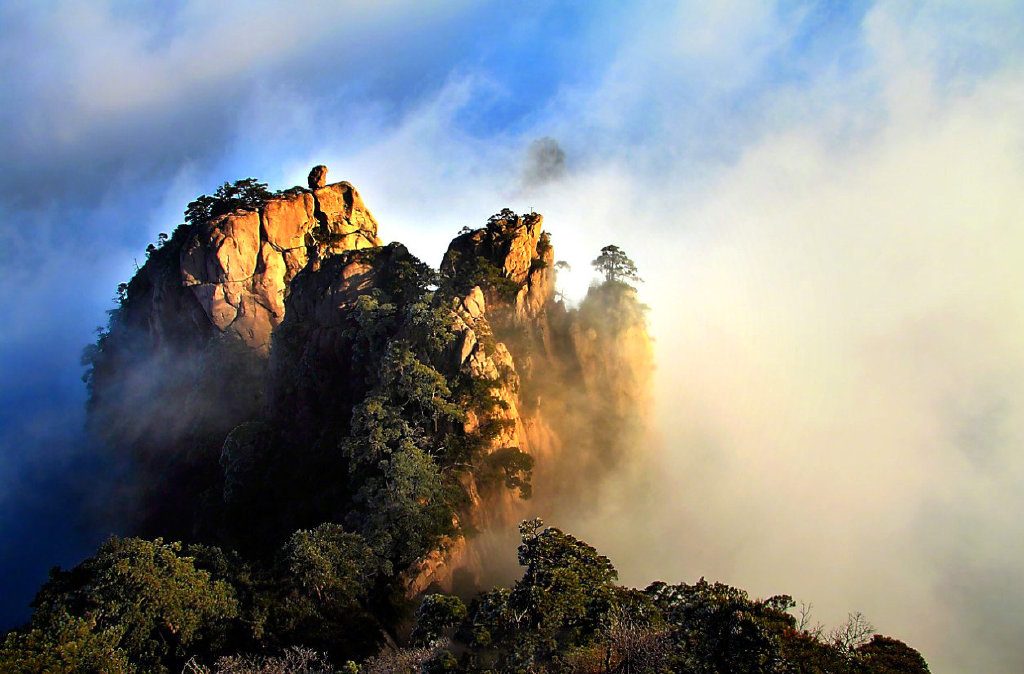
{"x": 826, "y": 201}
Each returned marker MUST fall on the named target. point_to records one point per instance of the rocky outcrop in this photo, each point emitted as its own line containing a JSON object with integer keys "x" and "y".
{"x": 238, "y": 266}
{"x": 511, "y": 258}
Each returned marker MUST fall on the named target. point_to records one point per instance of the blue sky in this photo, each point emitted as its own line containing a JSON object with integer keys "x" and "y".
{"x": 825, "y": 199}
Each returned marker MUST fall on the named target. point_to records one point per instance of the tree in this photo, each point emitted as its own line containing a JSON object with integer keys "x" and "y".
{"x": 158, "y": 603}
{"x": 558, "y": 605}
{"x": 437, "y": 614}
{"x": 616, "y": 266}
{"x": 329, "y": 563}
{"x": 247, "y": 195}
{"x": 68, "y": 645}
{"x": 885, "y": 655}
{"x": 718, "y": 629}
{"x": 510, "y": 467}
{"x": 323, "y": 578}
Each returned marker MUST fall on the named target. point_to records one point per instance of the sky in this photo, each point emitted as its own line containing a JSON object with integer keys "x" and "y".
{"x": 825, "y": 199}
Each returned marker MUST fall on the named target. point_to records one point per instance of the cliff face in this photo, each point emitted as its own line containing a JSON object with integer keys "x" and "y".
{"x": 278, "y": 341}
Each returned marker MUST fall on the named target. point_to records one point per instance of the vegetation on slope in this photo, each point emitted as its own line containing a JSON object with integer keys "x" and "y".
{"x": 141, "y": 606}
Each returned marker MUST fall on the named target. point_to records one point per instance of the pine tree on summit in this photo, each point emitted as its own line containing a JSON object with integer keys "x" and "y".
{"x": 616, "y": 266}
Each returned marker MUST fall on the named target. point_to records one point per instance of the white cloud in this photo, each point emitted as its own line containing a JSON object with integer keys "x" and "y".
{"x": 832, "y": 310}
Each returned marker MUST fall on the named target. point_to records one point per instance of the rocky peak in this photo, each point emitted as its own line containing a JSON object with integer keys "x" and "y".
{"x": 238, "y": 266}
{"x": 508, "y": 259}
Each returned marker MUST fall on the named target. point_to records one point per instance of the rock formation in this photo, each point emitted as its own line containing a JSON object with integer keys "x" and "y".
{"x": 238, "y": 266}
{"x": 293, "y": 282}
{"x": 317, "y": 177}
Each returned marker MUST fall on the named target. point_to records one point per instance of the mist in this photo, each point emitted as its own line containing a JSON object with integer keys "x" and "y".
{"x": 826, "y": 204}
{"x": 838, "y": 403}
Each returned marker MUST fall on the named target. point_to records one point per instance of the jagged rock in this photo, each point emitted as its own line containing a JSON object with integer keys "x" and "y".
{"x": 211, "y": 297}
{"x": 539, "y": 288}
{"x": 508, "y": 244}
{"x": 293, "y": 274}
{"x": 435, "y": 568}
{"x": 522, "y": 248}
{"x": 473, "y": 304}
{"x": 465, "y": 342}
{"x": 269, "y": 285}
{"x": 317, "y": 177}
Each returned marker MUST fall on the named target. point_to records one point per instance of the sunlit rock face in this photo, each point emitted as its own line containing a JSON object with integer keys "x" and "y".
{"x": 238, "y": 266}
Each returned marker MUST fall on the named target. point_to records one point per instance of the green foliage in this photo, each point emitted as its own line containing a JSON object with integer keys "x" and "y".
{"x": 416, "y": 388}
{"x": 502, "y": 219}
{"x": 374, "y": 321}
{"x": 719, "y": 629}
{"x": 402, "y": 509}
{"x": 328, "y": 564}
{"x": 885, "y": 655}
{"x": 437, "y": 614}
{"x": 294, "y": 660}
{"x": 509, "y": 467}
{"x": 66, "y": 644}
{"x": 430, "y": 329}
{"x": 142, "y": 606}
{"x": 408, "y": 279}
{"x": 616, "y": 266}
{"x": 612, "y": 308}
{"x": 402, "y": 502}
{"x": 543, "y": 244}
{"x": 489, "y": 276}
{"x": 474, "y": 259}
{"x": 247, "y": 195}
{"x": 158, "y": 603}
{"x": 558, "y": 604}
{"x": 323, "y": 578}
{"x": 566, "y": 583}
{"x": 255, "y": 588}
{"x": 387, "y": 455}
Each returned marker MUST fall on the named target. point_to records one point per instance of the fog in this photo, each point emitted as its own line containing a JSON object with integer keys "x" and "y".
{"x": 839, "y": 399}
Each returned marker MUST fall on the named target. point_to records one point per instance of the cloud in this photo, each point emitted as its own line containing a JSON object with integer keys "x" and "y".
{"x": 838, "y": 342}
{"x": 103, "y": 90}
{"x": 545, "y": 162}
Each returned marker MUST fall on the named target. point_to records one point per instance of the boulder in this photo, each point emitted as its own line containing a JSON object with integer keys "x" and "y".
{"x": 522, "y": 247}
{"x": 473, "y": 304}
{"x": 345, "y": 218}
{"x": 317, "y": 177}
{"x": 213, "y": 301}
